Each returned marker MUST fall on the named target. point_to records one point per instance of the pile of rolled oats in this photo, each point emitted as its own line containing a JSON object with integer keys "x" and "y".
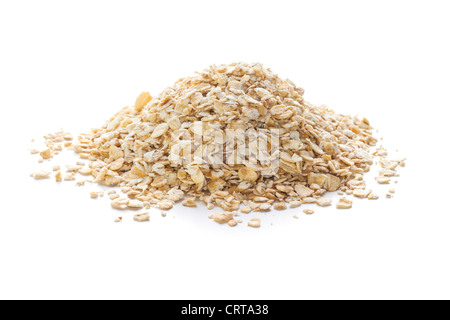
{"x": 206, "y": 139}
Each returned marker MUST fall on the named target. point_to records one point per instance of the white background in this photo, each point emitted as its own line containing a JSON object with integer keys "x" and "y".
{"x": 73, "y": 64}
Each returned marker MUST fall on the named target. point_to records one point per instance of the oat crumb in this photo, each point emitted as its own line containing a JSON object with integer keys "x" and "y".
{"x": 114, "y": 196}
{"x": 94, "y": 195}
{"x": 232, "y": 223}
{"x": 373, "y": 197}
{"x": 58, "y": 176}
{"x": 70, "y": 176}
{"x": 361, "y": 193}
{"x": 344, "y": 203}
{"x": 42, "y": 174}
{"x": 223, "y": 217}
{"x": 46, "y": 154}
{"x": 324, "y": 202}
{"x": 383, "y": 180}
{"x": 255, "y": 223}
{"x": 142, "y": 217}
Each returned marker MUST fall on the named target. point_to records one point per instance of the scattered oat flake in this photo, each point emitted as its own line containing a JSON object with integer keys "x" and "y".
{"x": 58, "y": 176}
{"x": 383, "y": 180}
{"x": 69, "y": 176}
{"x": 361, "y": 193}
{"x": 141, "y": 217}
{"x": 46, "y": 154}
{"x": 373, "y": 197}
{"x": 255, "y": 223}
{"x": 120, "y": 203}
{"x": 344, "y": 203}
{"x": 94, "y": 195}
{"x": 114, "y": 196}
{"x": 41, "y": 174}
{"x": 72, "y": 168}
{"x": 85, "y": 171}
{"x": 308, "y": 211}
{"x": 324, "y": 202}
{"x": 223, "y": 217}
{"x": 232, "y": 223}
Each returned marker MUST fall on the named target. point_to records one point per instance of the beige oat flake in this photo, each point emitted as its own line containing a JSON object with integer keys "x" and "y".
{"x": 41, "y": 174}
{"x": 324, "y": 202}
{"x": 255, "y": 223}
{"x": 223, "y": 217}
{"x": 46, "y": 154}
{"x": 165, "y": 205}
{"x": 141, "y": 217}
{"x": 344, "y": 203}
